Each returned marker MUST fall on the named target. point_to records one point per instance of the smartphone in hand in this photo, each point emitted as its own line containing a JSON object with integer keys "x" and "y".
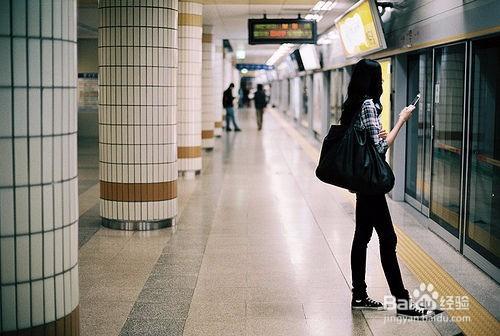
{"x": 415, "y": 100}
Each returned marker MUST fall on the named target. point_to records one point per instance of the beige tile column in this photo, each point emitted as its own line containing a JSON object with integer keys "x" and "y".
{"x": 38, "y": 168}
{"x": 227, "y": 69}
{"x": 137, "y": 113}
{"x": 218, "y": 86}
{"x": 208, "y": 114}
{"x": 189, "y": 88}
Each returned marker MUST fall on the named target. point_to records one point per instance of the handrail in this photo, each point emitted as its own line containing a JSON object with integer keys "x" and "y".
{"x": 480, "y": 157}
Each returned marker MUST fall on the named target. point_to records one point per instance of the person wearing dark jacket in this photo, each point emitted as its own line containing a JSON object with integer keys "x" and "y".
{"x": 227, "y": 103}
{"x": 260, "y": 100}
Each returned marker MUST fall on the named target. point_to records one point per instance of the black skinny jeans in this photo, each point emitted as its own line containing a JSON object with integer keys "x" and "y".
{"x": 372, "y": 212}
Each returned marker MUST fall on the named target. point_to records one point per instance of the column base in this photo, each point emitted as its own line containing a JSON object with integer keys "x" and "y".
{"x": 137, "y": 225}
{"x": 67, "y": 325}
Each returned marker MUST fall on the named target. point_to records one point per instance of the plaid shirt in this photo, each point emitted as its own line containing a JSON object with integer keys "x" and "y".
{"x": 369, "y": 119}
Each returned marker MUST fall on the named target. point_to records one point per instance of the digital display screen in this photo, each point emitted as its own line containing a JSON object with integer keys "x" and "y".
{"x": 360, "y": 29}
{"x": 309, "y": 57}
{"x": 297, "y": 60}
{"x": 277, "y": 31}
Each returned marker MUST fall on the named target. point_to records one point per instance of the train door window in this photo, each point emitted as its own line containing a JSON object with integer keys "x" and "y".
{"x": 447, "y": 145}
{"x": 483, "y": 210}
{"x": 418, "y": 132}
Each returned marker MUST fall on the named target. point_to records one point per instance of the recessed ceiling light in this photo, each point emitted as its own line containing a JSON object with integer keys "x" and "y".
{"x": 329, "y": 5}
{"x": 318, "y": 5}
{"x": 240, "y": 54}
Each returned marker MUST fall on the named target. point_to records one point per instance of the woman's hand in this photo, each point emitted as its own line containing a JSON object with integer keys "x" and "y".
{"x": 406, "y": 113}
{"x": 383, "y": 134}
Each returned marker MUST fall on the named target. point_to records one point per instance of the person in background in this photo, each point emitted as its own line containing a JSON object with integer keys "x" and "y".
{"x": 260, "y": 100}
{"x": 227, "y": 103}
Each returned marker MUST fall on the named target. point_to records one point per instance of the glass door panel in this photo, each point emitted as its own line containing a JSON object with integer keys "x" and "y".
{"x": 449, "y": 72}
{"x": 317, "y": 103}
{"x": 335, "y": 96}
{"x": 306, "y": 103}
{"x": 418, "y": 131}
{"x": 483, "y": 213}
{"x": 284, "y": 96}
{"x": 295, "y": 97}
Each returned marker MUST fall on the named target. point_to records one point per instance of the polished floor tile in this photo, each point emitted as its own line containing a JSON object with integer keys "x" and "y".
{"x": 261, "y": 247}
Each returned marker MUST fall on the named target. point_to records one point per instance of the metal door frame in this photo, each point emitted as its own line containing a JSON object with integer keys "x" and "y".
{"x": 414, "y": 202}
{"x": 458, "y": 243}
{"x": 434, "y": 226}
{"x": 465, "y": 249}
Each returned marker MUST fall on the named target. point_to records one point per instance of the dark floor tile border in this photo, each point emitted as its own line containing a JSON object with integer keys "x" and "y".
{"x": 89, "y": 224}
{"x": 162, "y": 307}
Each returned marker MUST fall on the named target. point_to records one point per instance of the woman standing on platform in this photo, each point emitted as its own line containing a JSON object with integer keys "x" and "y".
{"x": 363, "y": 104}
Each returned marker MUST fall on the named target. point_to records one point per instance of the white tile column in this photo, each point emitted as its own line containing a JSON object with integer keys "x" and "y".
{"x": 208, "y": 115}
{"x": 189, "y": 88}
{"x": 218, "y": 86}
{"x": 38, "y": 168}
{"x": 227, "y": 69}
{"x": 137, "y": 113}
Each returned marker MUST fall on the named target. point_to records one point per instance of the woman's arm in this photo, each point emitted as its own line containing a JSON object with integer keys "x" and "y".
{"x": 369, "y": 120}
{"x": 403, "y": 117}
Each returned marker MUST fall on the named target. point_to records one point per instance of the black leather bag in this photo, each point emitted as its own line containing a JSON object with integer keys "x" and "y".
{"x": 350, "y": 160}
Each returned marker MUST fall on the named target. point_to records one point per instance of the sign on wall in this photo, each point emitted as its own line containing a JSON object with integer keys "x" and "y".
{"x": 360, "y": 29}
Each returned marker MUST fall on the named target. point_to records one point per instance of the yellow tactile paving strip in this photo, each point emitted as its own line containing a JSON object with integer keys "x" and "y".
{"x": 481, "y": 322}
{"x": 428, "y": 271}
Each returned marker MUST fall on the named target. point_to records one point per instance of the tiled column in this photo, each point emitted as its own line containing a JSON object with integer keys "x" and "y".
{"x": 208, "y": 115}
{"x": 228, "y": 69}
{"x": 218, "y": 87}
{"x": 137, "y": 113}
{"x": 38, "y": 168}
{"x": 189, "y": 88}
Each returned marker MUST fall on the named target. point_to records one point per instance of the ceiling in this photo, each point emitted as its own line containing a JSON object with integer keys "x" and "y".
{"x": 229, "y": 20}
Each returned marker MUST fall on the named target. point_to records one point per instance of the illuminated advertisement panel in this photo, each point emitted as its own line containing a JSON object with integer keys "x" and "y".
{"x": 277, "y": 31}
{"x": 360, "y": 29}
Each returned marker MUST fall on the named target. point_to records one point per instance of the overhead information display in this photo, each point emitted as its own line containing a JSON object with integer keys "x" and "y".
{"x": 277, "y": 31}
{"x": 361, "y": 30}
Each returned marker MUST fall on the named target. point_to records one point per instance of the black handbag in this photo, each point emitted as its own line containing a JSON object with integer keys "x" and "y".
{"x": 350, "y": 160}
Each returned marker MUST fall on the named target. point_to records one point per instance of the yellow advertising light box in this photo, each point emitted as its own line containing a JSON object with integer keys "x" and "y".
{"x": 360, "y": 29}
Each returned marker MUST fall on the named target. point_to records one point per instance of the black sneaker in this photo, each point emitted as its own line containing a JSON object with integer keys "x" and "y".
{"x": 237, "y": 129}
{"x": 228, "y": 130}
{"x": 410, "y": 311}
{"x": 366, "y": 303}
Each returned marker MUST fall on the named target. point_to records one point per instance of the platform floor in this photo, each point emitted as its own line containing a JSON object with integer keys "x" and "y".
{"x": 261, "y": 248}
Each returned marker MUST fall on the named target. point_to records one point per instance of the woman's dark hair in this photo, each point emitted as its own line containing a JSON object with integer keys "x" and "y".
{"x": 366, "y": 83}
{"x": 260, "y": 87}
